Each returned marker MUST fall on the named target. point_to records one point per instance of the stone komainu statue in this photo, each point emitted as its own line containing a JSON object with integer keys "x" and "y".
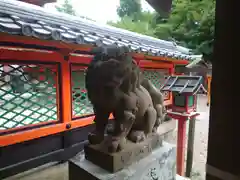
{"x": 115, "y": 85}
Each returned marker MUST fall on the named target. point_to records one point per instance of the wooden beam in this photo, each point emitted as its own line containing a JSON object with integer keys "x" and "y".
{"x": 39, "y": 2}
{"x": 190, "y": 147}
{"x": 223, "y": 142}
{"x": 163, "y": 7}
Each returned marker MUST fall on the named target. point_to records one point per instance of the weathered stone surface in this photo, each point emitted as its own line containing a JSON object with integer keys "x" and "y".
{"x": 99, "y": 155}
{"x": 160, "y": 165}
{"x": 115, "y": 84}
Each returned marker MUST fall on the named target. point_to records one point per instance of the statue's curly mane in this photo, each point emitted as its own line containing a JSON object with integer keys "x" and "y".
{"x": 110, "y": 69}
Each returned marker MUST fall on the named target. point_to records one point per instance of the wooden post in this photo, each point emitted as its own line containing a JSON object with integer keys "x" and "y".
{"x": 223, "y": 141}
{"x": 190, "y": 148}
{"x": 209, "y": 78}
{"x": 181, "y": 142}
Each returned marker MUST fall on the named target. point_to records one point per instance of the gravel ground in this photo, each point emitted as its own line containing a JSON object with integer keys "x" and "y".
{"x": 201, "y": 138}
{"x": 59, "y": 172}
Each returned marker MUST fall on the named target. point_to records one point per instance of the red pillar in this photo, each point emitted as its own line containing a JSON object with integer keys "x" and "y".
{"x": 171, "y": 70}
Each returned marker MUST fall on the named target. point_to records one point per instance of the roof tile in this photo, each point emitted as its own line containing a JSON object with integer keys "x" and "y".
{"x": 183, "y": 84}
{"x": 18, "y": 18}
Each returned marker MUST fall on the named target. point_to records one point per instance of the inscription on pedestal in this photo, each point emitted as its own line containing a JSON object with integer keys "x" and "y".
{"x": 162, "y": 169}
{"x": 115, "y": 161}
{"x": 160, "y": 164}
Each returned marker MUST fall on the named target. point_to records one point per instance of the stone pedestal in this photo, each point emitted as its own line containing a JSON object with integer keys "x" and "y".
{"x": 160, "y": 164}
{"x": 113, "y": 162}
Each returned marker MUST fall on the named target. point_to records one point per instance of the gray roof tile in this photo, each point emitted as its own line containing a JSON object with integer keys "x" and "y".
{"x": 18, "y": 18}
{"x": 184, "y": 84}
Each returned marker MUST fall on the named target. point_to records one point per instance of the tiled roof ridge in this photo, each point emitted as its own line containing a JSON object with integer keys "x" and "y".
{"x": 23, "y": 10}
{"x": 14, "y": 7}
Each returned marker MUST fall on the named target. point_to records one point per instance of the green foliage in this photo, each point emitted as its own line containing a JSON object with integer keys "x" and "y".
{"x": 130, "y": 8}
{"x": 143, "y": 26}
{"x": 66, "y": 7}
{"x": 190, "y": 24}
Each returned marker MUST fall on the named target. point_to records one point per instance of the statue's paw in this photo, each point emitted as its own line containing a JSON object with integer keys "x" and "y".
{"x": 155, "y": 129}
{"x": 167, "y": 118}
{"x": 95, "y": 138}
{"x": 137, "y": 136}
{"x": 158, "y": 122}
{"x": 115, "y": 146}
{"x": 110, "y": 129}
{"x": 156, "y": 125}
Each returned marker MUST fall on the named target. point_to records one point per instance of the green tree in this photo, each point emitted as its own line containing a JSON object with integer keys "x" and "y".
{"x": 130, "y": 8}
{"x": 66, "y": 7}
{"x": 141, "y": 26}
{"x": 190, "y": 24}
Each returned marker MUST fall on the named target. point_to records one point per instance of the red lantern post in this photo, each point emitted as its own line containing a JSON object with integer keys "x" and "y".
{"x": 184, "y": 90}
